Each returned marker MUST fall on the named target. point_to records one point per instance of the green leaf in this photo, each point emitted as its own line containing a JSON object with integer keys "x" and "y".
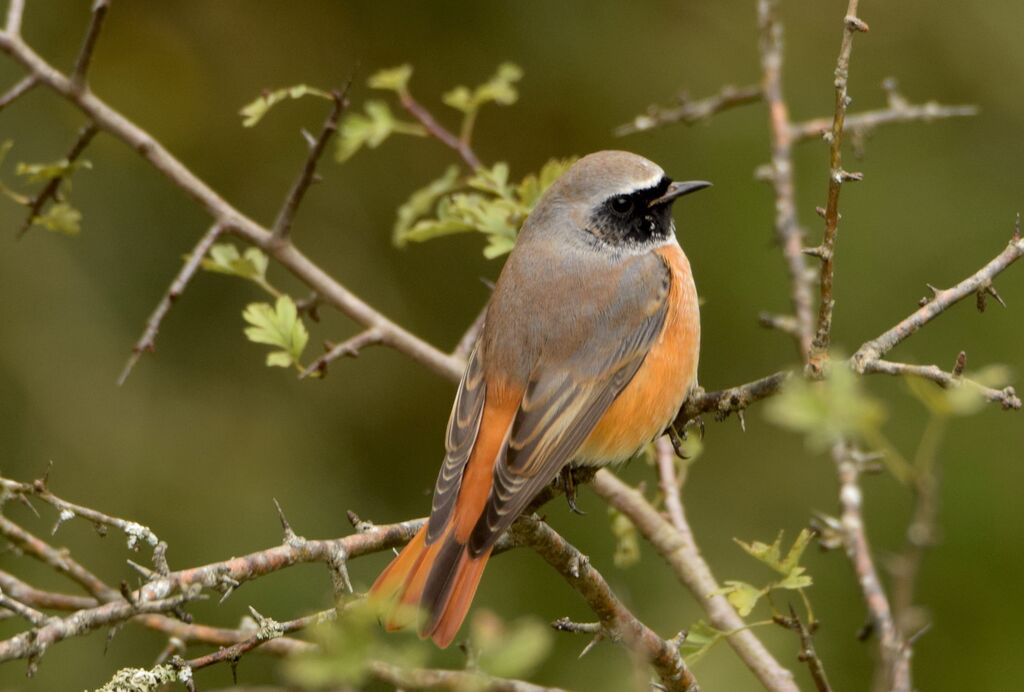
{"x": 223, "y": 258}
{"x": 964, "y": 399}
{"x": 254, "y": 111}
{"x": 771, "y": 555}
{"x": 60, "y": 217}
{"x": 700, "y": 637}
{"x": 392, "y": 79}
{"x": 509, "y": 650}
{"x": 279, "y": 326}
{"x": 742, "y": 596}
{"x": 500, "y": 89}
{"x": 5, "y": 148}
{"x": 421, "y": 202}
{"x": 370, "y": 130}
{"x": 44, "y": 172}
{"x": 828, "y": 410}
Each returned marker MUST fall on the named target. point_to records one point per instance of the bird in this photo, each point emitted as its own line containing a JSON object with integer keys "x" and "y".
{"x": 590, "y": 346}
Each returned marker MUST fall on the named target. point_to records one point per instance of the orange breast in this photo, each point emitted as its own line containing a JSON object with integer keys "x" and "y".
{"x": 650, "y": 401}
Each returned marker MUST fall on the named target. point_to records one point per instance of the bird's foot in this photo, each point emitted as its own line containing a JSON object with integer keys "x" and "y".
{"x": 569, "y": 484}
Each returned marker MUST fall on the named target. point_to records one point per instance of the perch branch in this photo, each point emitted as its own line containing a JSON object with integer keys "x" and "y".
{"x": 147, "y": 342}
{"x": 662, "y": 655}
{"x": 688, "y": 112}
{"x": 861, "y": 124}
{"x": 433, "y": 679}
{"x": 678, "y": 549}
{"x": 726, "y": 401}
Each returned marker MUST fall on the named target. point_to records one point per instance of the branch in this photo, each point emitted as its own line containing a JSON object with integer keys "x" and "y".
{"x": 668, "y": 482}
{"x": 349, "y": 348}
{"x": 17, "y": 91}
{"x": 807, "y": 654}
{"x": 147, "y": 342}
{"x": 1006, "y": 397}
{"x": 981, "y": 280}
{"x": 678, "y": 549}
{"x": 433, "y": 679}
{"x": 862, "y": 124}
{"x": 690, "y": 112}
{"x": 837, "y": 176}
{"x": 52, "y": 187}
{"x": 283, "y": 223}
{"x": 92, "y": 34}
{"x": 788, "y": 232}
{"x": 734, "y": 399}
{"x": 15, "y": 10}
{"x": 269, "y": 631}
{"x": 49, "y": 600}
{"x": 438, "y": 131}
{"x": 614, "y": 616}
{"x": 33, "y": 643}
{"x": 895, "y": 653}
{"x": 284, "y": 252}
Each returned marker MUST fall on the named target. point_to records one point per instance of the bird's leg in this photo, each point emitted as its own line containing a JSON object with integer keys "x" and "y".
{"x": 677, "y": 438}
{"x": 569, "y": 483}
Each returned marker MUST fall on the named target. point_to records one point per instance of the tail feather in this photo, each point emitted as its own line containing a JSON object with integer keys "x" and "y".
{"x": 439, "y": 580}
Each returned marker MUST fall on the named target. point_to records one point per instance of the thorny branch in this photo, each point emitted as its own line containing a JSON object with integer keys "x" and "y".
{"x": 147, "y": 342}
{"x": 788, "y": 232}
{"x": 459, "y": 144}
{"x": 688, "y": 111}
{"x": 21, "y": 88}
{"x": 92, "y": 34}
{"x": 619, "y": 622}
{"x": 837, "y": 176}
{"x": 349, "y": 348}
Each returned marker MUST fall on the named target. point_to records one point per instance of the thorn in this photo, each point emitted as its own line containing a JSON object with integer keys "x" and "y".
{"x": 1016, "y": 228}
{"x": 111, "y": 633}
{"x": 991, "y": 290}
{"x": 848, "y": 176}
{"x": 126, "y": 591}
{"x": 593, "y": 642}
{"x": 289, "y": 534}
{"x": 145, "y": 572}
{"x": 960, "y": 364}
{"x": 742, "y": 418}
{"x": 28, "y": 503}
{"x": 818, "y": 251}
{"x": 310, "y": 139}
{"x": 820, "y": 211}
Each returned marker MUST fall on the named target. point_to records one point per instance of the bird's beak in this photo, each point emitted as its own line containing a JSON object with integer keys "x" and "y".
{"x": 678, "y": 189}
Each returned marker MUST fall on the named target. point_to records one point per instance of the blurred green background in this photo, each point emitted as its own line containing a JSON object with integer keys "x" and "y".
{"x": 202, "y": 436}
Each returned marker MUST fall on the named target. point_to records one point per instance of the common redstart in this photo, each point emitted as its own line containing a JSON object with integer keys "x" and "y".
{"x": 589, "y": 348}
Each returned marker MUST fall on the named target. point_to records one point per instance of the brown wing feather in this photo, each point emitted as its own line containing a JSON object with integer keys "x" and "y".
{"x": 463, "y": 428}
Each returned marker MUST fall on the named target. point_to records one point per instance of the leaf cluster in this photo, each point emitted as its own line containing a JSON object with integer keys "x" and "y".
{"x": 60, "y": 216}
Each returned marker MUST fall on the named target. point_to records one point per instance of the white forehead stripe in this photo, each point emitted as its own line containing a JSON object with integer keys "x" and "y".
{"x": 644, "y": 184}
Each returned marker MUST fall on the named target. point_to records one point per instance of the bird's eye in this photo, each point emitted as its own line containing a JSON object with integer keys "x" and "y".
{"x": 621, "y": 205}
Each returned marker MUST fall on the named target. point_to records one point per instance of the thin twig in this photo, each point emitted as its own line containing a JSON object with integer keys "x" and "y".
{"x": 264, "y": 636}
{"x": 92, "y": 34}
{"x": 688, "y": 112}
{"x": 861, "y": 124}
{"x": 614, "y": 616}
{"x": 234, "y": 221}
{"x": 147, "y": 342}
{"x": 670, "y": 485}
{"x": 15, "y": 10}
{"x": 788, "y": 232}
{"x": 808, "y": 654}
{"x": 47, "y": 600}
{"x": 1005, "y": 397}
{"x": 879, "y": 346}
{"x": 26, "y": 612}
{"x": 894, "y": 653}
{"x": 469, "y": 337}
{"x": 434, "y": 679}
{"x": 438, "y": 131}
{"x": 678, "y": 548}
{"x": 837, "y": 176}
{"x": 52, "y": 187}
{"x": 17, "y": 91}
{"x": 283, "y": 223}
{"x": 348, "y": 348}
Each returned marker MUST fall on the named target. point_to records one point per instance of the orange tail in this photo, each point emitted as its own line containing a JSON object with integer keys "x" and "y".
{"x": 434, "y": 582}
